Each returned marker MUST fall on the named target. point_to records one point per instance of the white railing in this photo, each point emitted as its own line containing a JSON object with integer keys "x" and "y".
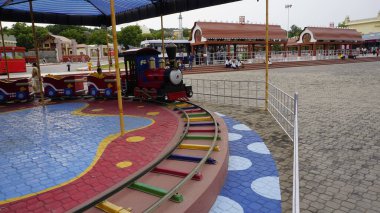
{"x": 247, "y": 93}
{"x": 296, "y": 194}
{"x": 283, "y": 108}
{"x": 275, "y": 56}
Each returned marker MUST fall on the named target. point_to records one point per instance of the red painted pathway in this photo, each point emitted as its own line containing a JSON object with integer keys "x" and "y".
{"x": 107, "y": 171}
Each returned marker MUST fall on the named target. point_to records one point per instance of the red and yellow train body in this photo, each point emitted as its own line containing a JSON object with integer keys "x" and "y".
{"x": 17, "y": 90}
{"x": 69, "y": 86}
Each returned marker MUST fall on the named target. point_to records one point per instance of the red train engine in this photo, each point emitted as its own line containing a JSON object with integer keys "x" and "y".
{"x": 17, "y": 90}
{"x": 145, "y": 80}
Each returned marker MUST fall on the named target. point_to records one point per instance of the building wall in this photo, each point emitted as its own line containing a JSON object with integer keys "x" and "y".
{"x": 365, "y": 28}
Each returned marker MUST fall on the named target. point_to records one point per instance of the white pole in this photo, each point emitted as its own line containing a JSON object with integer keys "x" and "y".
{"x": 296, "y": 196}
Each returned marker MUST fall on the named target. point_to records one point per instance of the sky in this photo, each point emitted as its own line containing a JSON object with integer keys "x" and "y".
{"x": 303, "y": 13}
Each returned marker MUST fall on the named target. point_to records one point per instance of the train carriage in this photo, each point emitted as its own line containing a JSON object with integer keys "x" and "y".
{"x": 100, "y": 85}
{"x": 17, "y": 90}
{"x": 68, "y": 86}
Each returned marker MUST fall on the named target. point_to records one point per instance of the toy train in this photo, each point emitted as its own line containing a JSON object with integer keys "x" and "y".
{"x": 142, "y": 80}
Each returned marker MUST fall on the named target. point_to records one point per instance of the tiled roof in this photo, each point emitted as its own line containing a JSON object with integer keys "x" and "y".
{"x": 215, "y": 30}
{"x": 337, "y": 34}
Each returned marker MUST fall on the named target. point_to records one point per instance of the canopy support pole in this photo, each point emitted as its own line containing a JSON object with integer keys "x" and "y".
{"x": 116, "y": 53}
{"x": 36, "y": 49}
{"x": 162, "y": 37}
{"x": 4, "y": 51}
{"x": 108, "y": 53}
{"x": 266, "y": 56}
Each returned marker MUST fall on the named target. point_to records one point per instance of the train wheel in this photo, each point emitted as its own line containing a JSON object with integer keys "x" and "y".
{"x": 20, "y": 96}
{"x": 93, "y": 92}
{"x": 68, "y": 92}
{"x": 108, "y": 92}
{"x": 3, "y": 97}
{"x": 153, "y": 93}
{"x": 50, "y": 92}
{"x": 136, "y": 92}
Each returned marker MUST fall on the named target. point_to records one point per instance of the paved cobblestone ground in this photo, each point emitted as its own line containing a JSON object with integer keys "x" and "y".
{"x": 339, "y": 134}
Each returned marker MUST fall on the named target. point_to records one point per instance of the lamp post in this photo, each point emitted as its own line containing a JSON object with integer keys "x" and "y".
{"x": 288, "y": 6}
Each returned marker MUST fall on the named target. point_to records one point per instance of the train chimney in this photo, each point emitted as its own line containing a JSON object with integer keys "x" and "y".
{"x": 171, "y": 50}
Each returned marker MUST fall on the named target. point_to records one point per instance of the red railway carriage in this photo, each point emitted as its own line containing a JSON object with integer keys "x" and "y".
{"x": 17, "y": 90}
{"x": 15, "y": 59}
{"x": 100, "y": 85}
{"x": 68, "y": 86}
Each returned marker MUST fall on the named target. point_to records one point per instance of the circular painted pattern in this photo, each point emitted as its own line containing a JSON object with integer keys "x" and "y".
{"x": 242, "y": 127}
{"x": 260, "y": 148}
{"x": 252, "y": 181}
{"x": 268, "y": 187}
{"x": 135, "y": 139}
{"x": 234, "y": 136}
{"x": 225, "y": 204}
{"x": 153, "y": 113}
{"x": 238, "y": 163}
{"x": 124, "y": 164}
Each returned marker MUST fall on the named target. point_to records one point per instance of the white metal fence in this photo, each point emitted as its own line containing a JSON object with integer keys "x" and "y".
{"x": 275, "y": 56}
{"x": 247, "y": 93}
{"x": 283, "y": 108}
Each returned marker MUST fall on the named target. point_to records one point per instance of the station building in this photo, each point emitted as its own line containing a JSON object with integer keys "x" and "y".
{"x": 324, "y": 39}
{"x": 232, "y": 38}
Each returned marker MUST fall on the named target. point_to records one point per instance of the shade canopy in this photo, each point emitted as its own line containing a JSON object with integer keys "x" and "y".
{"x": 96, "y": 12}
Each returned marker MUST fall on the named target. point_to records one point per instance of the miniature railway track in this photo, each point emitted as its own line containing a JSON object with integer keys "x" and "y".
{"x": 200, "y": 125}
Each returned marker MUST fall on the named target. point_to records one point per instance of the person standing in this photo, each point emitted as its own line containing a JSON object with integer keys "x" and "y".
{"x": 35, "y": 80}
{"x": 191, "y": 59}
{"x": 68, "y": 64}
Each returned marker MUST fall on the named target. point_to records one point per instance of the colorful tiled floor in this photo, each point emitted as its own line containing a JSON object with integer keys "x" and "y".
{"x": 252, "y": 183}
{"x": 56, "y": 157}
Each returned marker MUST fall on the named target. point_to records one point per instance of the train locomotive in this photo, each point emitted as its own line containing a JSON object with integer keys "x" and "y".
{"x": 144, "y": 80}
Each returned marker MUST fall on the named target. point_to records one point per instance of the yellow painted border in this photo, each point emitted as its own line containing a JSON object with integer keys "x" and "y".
{"x": 102, "y": 146}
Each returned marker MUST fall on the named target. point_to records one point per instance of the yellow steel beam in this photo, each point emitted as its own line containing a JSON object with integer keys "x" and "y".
{"x": 112, "y": 208}
{"x": 197, "y": 147}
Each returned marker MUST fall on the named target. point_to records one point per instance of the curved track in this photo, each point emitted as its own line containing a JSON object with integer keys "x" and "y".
{"x": 199, "y": 125}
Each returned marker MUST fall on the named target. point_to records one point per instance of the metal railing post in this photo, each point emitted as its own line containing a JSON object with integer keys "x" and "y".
{"x": 296, "y": 202}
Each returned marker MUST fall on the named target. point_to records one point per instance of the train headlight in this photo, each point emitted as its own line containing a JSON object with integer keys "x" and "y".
{"x": 175, "y": 77}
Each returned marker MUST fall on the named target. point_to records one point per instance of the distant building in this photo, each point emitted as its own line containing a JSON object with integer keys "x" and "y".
{"x": 9, "y": 40}
{"x": 364, "y": 26}
{"x": 62, "y": 45}
{"x": 215, "y": 37}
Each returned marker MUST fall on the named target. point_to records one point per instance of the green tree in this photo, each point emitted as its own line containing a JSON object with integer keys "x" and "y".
{"x": 76, "y": 34}
{"x": 24, "y": 35}
{"x": 130, "y": 35}
{"x": 147, "y": 36}
{"x": 294, "y": 31}
{"x": 342, "y": 24}
{"x": 97, "y": 36}
{"x": 157, "y": 33}
{"x": 186, "y": 33}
